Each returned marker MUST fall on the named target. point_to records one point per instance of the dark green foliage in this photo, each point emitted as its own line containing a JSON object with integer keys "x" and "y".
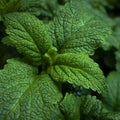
{"x": 46, "y": 46}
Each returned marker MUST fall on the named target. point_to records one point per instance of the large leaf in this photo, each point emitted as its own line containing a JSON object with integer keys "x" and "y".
{"x": 112, "y": 97}
{"x": 90, "y": 108}
{"x": 77, "y": 29}
{"x": 70, "y": 107}
{"x": 28, "y": 34}
{"x": 25, "y": 96}
{"x": 78, "y": 69}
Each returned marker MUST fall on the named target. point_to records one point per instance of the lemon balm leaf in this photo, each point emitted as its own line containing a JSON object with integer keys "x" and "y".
{"x": 28, "y": 34}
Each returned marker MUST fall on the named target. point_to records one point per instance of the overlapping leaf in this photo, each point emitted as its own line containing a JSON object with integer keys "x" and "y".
{"x": 70, "y": 106}
{"x": 90, "y": 107}
{"x": 77, "y": 29}
{"x": 112, "y": 97}
{"x": 28, "y": 34}
{"x": 2, "y": 4}
{"x": 7, "y": 6}
{"x": 23, "y": 95}
{"x": 38, "y": 7}
{"x": 78, "y": 69}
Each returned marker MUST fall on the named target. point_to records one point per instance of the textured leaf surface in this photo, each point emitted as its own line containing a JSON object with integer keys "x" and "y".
{"x": 7, "y": 6}
{"x": 78, "y": 69}
{"x": 115, "y": 40}
{"x": 25, "y": 96}
{"x": 38, "y": 7}
{"x": 90, "y": 107}
{"x": 77, "y": 29}
{"x": 70, "y": 106}
{"x": 28, "y": 34}
{"x": 110, "y": 116}
{"x": 112, "y": 97}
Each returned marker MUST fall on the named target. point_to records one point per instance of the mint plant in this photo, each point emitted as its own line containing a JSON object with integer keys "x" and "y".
{"x": 51, "y": 54}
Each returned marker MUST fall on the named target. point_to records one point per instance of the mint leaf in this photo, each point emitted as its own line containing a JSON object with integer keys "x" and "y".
{"x": 32, "y": 6}
{"x": 117, "y": 55}
{"x": 70, "y": 106}
{"x": 110, "y": 116}
{"x": 77, "y": 29}
{"x": 39, "y": 7}
{"x": 78, "y": 69}
{"x": 112, "y": 97}
{"x": 28, "y": 34}
{"x": 90, "y": 108}
{"x": 23, "y": 95}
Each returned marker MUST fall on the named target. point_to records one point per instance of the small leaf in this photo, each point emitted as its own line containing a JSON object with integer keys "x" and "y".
{"x": 90, "y": 107}
{"x": 70, "y": 106}
{"x": 112, "y": 97}
{"x": 110, "y": 116}
{"x": 2, "y": 4}
{"x": 7, "y": 6}
{"x": 78, "y": 69}
{"x": 24, "y": 95}
{"x": 77, "y": 29}
{"x": 28, "y": 34}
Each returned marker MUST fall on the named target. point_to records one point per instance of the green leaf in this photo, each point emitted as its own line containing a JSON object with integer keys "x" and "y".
{"x": 23, "y": 95}
{"x": 32, "y": 6}
{"x": 70, "y": 107}
{"x": 110, "y": 116}
{"x": 78, "y": 69}
{"x": 0, "y": 18}
{"x": 7, "y": 6}
{"x": 112, "y": 97}
{"x": 39, "y": 7}
{"x": 90, "y": 108}
{"x": 115, "y": 40}
{"x": 2, "y": 4}
{"x": 28, "y": 34}
{"x": 77, "y": 29}
{"x": 117, "y": 55}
